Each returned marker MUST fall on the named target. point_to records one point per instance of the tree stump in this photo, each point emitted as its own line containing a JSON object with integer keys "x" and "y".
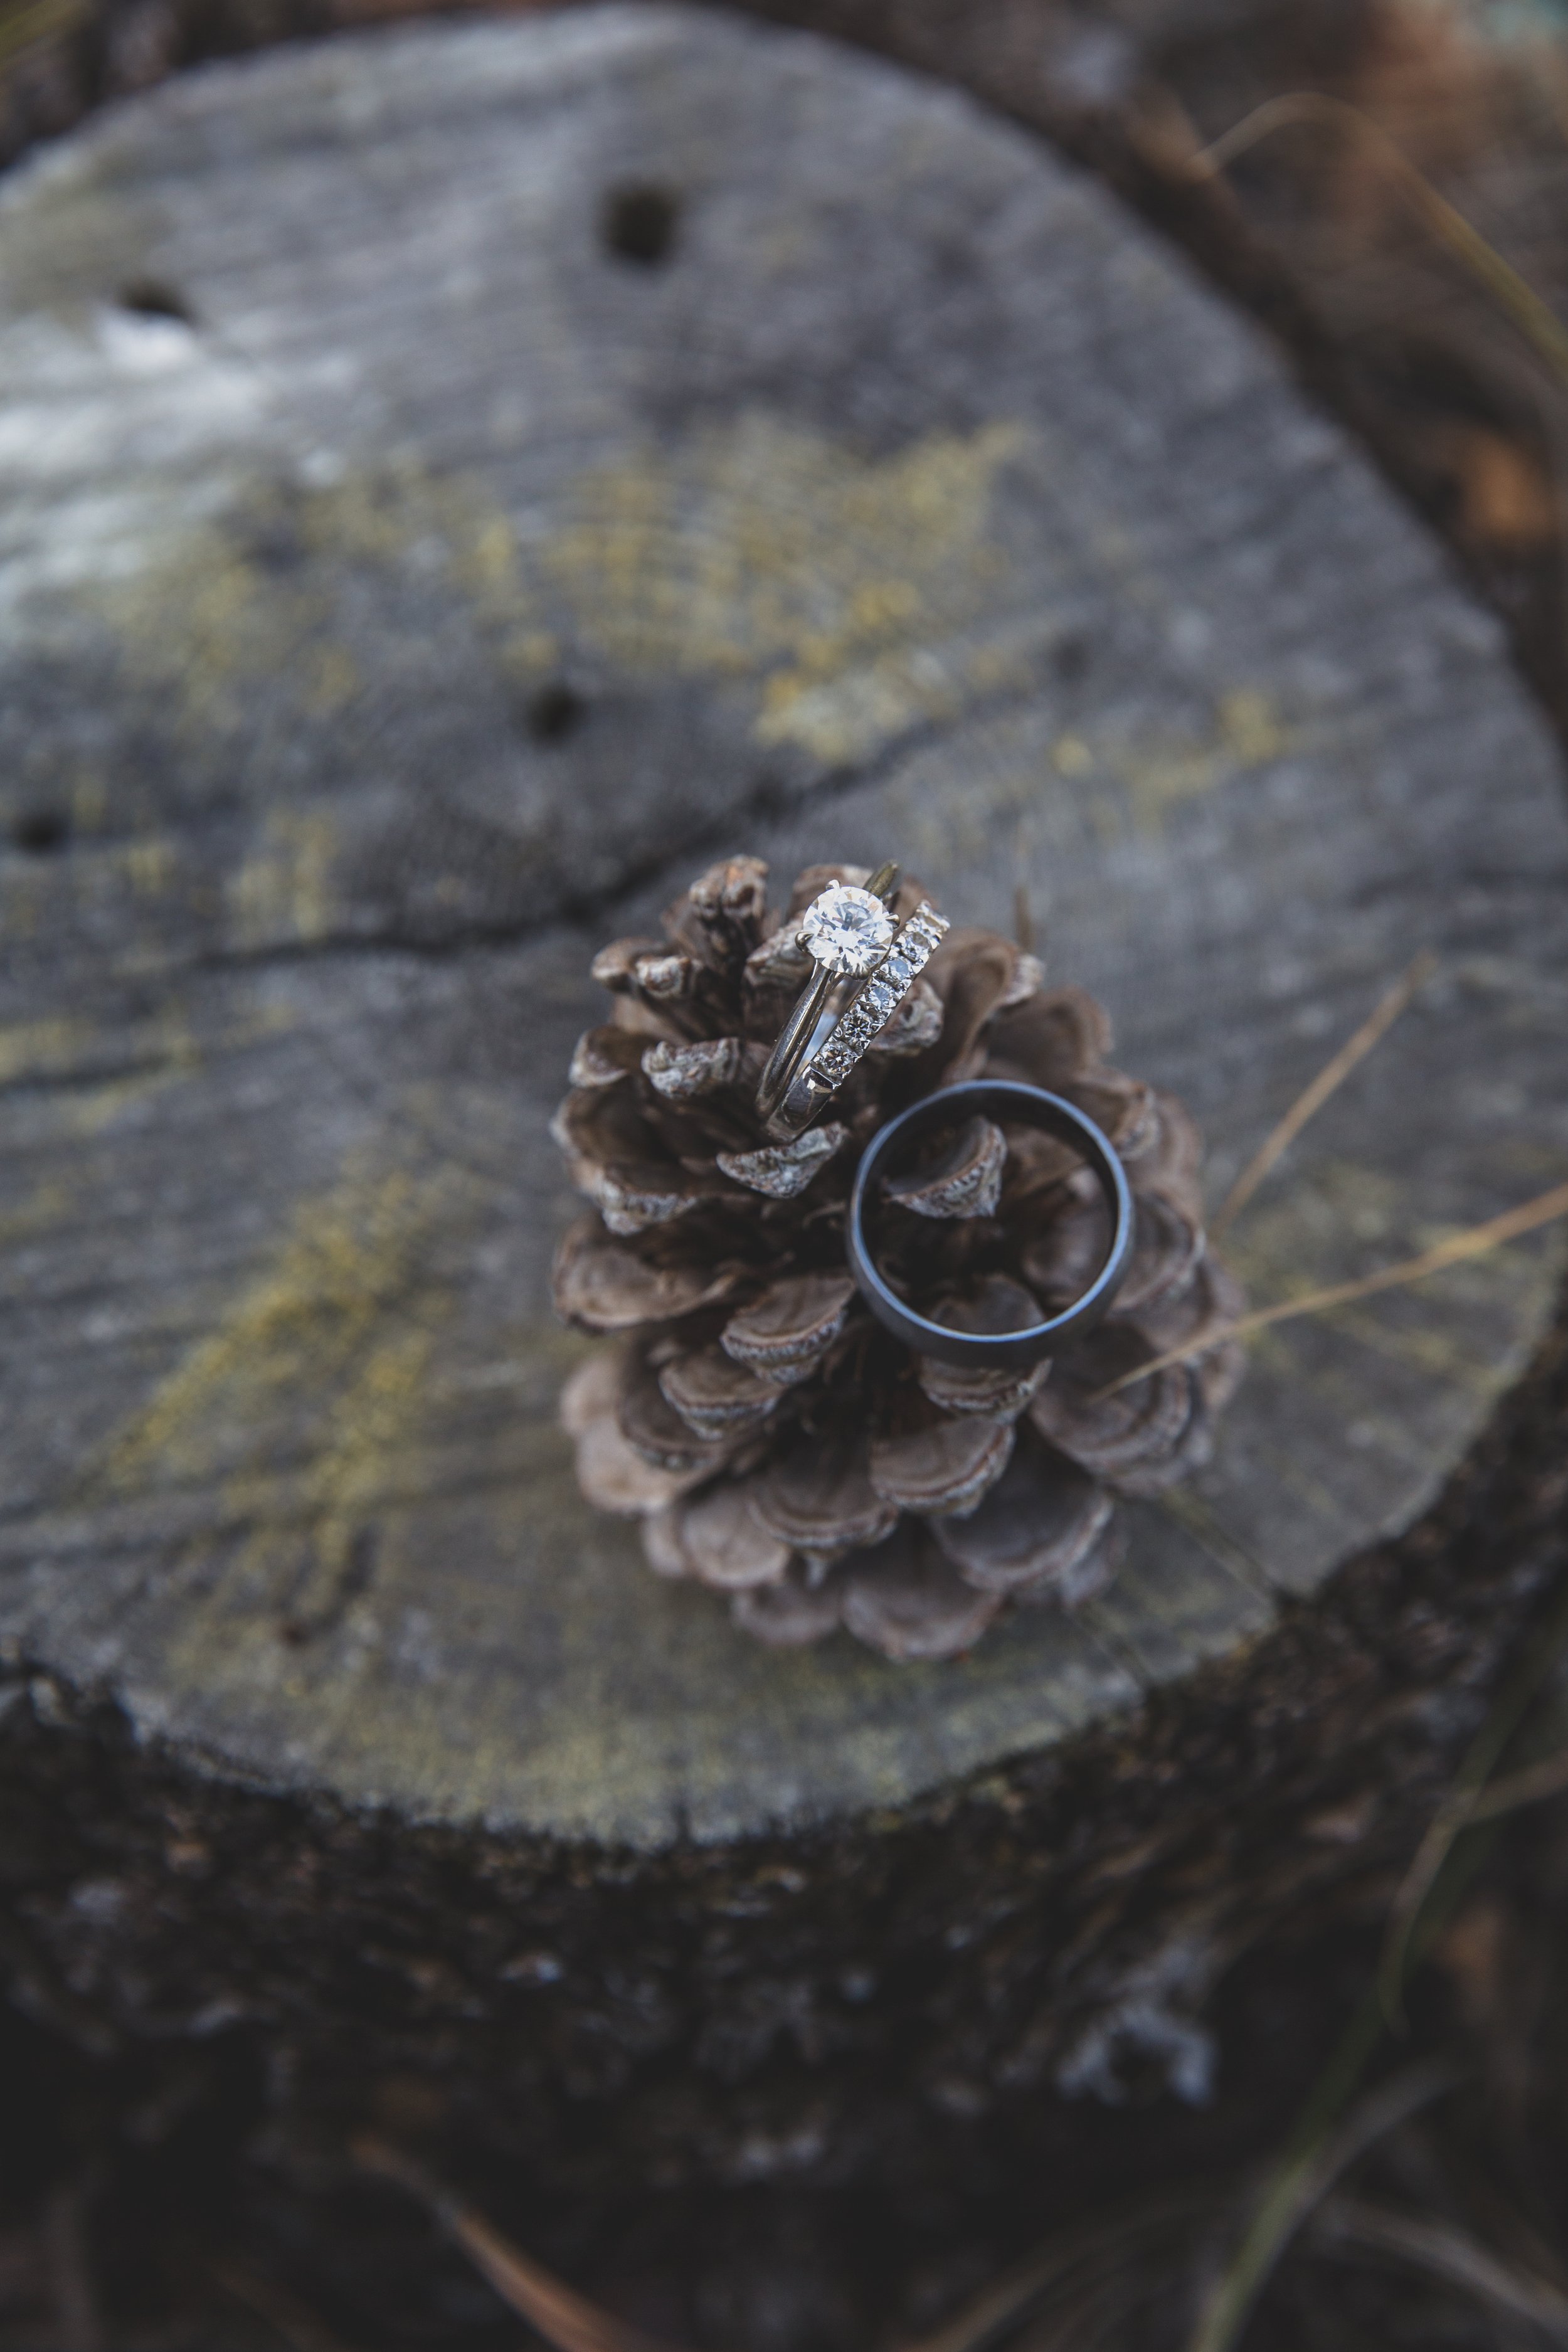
{"x": 457, "y": 483}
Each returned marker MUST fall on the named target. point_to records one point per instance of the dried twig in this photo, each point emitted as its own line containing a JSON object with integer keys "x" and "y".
{"x": 1084, "y": 2270}
{"x": 1475, "y": 1241}
{"x": 1459, "y": 1809}
{"x": 562, "y": 2316}
{"x": 292, "y": 2321}
{"x": 1453, "y": 2255}
{"x": 1308, "y": 2169}
{"x": 34, "y": 22}
{"x": 1542, "y": 329}
{"x": 77, "y": 2315}
{"x": 1327, "y": 1081}
{"x": 1425, "y": 1901}
{"x": 1078, "y": 2265}
{"x": 1528, "y": 1786}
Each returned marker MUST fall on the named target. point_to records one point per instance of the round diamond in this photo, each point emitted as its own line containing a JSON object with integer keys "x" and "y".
{"x": 846, "y": 928}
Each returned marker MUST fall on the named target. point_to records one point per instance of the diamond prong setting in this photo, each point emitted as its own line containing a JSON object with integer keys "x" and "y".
{"x": 847, "y": 930}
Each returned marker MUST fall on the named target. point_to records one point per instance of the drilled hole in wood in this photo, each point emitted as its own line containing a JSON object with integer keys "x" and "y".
{"x": 151, "y": 298}
{"x": 554, "y": 712}
{"x": 40, "y": 832}
{"x": 639, "y": 223}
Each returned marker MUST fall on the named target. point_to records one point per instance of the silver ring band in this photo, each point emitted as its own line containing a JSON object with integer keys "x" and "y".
{"x": 1002, "y": 1098}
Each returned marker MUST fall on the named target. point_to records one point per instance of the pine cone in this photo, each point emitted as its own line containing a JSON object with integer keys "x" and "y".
{"x": 774, "y": 1440}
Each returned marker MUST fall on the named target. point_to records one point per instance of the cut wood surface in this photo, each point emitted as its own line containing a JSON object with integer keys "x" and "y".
{"x": 456, "y": 482}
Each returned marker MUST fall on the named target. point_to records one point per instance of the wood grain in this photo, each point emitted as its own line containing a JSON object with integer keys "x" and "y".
{"x": 421, "y": 605}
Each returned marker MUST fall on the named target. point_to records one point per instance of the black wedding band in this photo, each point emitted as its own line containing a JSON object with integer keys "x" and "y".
{"x": 1026, "y": 1107}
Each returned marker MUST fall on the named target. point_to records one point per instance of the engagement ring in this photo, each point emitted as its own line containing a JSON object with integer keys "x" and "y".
{"x": 852, "y": 938}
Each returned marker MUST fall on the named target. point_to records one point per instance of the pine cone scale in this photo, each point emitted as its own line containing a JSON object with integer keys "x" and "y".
{"x": 1040, "y": 1518}
{"x": 943, "y": 1469}
{"x": 908, "y": 1602}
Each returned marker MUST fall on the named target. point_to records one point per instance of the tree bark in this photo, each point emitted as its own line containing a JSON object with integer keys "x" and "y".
{"x": 458, "y": 482}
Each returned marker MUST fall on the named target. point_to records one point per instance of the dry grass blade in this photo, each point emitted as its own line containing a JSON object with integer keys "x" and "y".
{"x": 24, "y": 28}
{"x": 1063, "y": 2286}
{"x": 290, "y": 2320}
{"x": 1452, "y": 2256}
{"x": 561, "y": 2315}
{"x": 1327, "y": 1081}
{"x": 1542, "y": 329}
{"x": 1475, "y": 1241}
{"x": 1002, "y": 2306}
{"x": 1547, "y": 1778}
{"x": 1096, "y": 2319}
{"x": 1459, "y": 1811}
{"x": 1308, "y": 2172}
{"x": 66, "y": 2230}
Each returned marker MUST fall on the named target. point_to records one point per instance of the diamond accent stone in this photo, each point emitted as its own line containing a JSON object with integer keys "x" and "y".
{"x": 847, "y": 930}
{"x": 894, "y": 972}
